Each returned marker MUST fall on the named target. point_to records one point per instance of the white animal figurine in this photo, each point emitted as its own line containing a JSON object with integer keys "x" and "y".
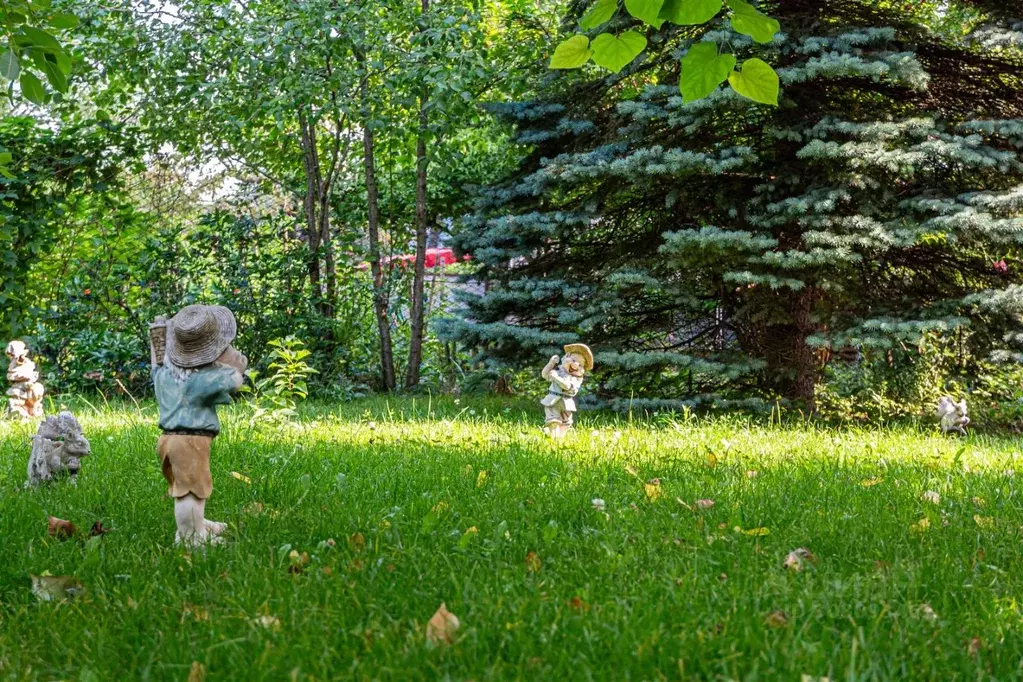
{"x": 57, "y": 448}
{"x": 953, "y": 415}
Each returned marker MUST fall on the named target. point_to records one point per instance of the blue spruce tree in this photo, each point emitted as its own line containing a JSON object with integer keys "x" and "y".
{"x": 712, "y": 252}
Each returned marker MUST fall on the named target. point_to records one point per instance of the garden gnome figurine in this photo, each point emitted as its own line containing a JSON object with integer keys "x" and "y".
{"x": 25, "y": 396}
{"x": 566, "y": 379}
{"x": 953, "y": 415}
{"x": 196, "y": 369}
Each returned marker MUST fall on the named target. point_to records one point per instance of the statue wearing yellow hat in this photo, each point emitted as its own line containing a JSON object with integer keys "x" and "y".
{"x": 566, "y": 377}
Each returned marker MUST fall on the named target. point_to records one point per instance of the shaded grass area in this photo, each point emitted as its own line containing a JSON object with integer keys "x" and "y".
{"x": 649, "y": 588}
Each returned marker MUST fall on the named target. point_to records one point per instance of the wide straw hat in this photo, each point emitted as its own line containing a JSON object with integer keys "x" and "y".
{"x": 583, "y": 351}
{"x": 200, "y": 334}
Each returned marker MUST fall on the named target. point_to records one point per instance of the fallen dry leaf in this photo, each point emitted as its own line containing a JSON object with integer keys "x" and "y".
{"x": 242, "y": 477}
{"x": 197, "y": 673}
{"x": 56, "y": 587}
{"x": 776, "y": 619}
{"x": 974, "y": 647}
{"x": 653, "y": 489}
{"x": 930, "y": 496}
{"x": 871, "y": 482}
{"x": 481, "y": 479}
{"x": 578, "y": 604}
{"x": 297, "y": 562}
{"x": 703, "y": 504}
{"x": 753, "y": 473}
{"x": 442, "y": 627}
{"x": 197, "y": 612}
{"x": 267, "y": 622}
{"x": 60, "y": 529}
{"x": 631, "y": 470}
{"x": 598, "y": 504}
{"x": 980, "y": 501}
{"x": 712, "y": 460}
{"x": 927, "y": 613}
{"x": 253, "y": 508}
{"x": 98, "y": 529}
{"x": 798, "y": 558}
{"x": 356, "y": 542}
{"x": 921, "y": 526}
{"x": 533, "y": 562}
{"x": 984, "y": 521}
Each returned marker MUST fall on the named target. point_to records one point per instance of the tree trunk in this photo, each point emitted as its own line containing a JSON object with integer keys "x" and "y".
{"x": 309, "y": 203}
{"x": 379, "y": 292}
{"x": 317, "y": 219}
{"x": 803, "y": 357}
{"x": 415, "y": 348}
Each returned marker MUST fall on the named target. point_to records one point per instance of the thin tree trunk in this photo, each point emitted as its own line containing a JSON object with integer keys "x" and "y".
{"x": 379, "y": 292}
{"x": 415, "y": 349}
{"x": 309, "y": 204}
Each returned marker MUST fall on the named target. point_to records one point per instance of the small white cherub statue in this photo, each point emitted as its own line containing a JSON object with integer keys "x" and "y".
{"x": 953, "y": 415}
{"x": 566, "y": 380}
{"x": 25, "y": 396}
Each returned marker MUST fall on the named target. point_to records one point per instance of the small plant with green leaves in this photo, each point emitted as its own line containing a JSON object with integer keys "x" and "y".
{"x": 277, "y": 394}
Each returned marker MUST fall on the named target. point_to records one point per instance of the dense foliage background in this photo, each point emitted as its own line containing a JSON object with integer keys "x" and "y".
{"x": 852, "y": 250}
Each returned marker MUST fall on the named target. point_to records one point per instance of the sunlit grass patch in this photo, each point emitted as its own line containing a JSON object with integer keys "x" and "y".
{"x": 350, "y": 526}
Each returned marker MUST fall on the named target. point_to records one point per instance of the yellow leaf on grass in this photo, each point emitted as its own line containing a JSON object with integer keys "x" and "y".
{"x": 983, "y": 521}
{"x": 267, "y": 622}
{"x": 921, "y": 526}
{"x": 533, "y": 562}
{"x": 197, "y": 673}
{"x": 703, "y": 504}
{"x": 242, "y": 477}
{"x": 776, "y": 619}
{"x": 753, "y": 532}
{"x": 481, "y": 479}
{"x": 442, "y": 627}
{"x": 653, "y": 489}
{"x": 871, "y": 482}
{"x": 712, "y": 460}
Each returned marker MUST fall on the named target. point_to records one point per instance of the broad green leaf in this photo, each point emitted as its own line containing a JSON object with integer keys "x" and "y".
{"x": 63, "y": 62}
{"x": 614, "y": 53}
{"x": 748, "y": 20}
{"x": 32, "y": 88}
{"x": 64, "y": 20}
{"x": 757, "y": 81}
{"x": 56, "y": 77}
{"x": 600, "y": 13}
{"x": 6, "y": 158}
{"x": 647, "y": 11}
{"x": 690, "y": 12}
{"x": 40, "y": 38}
{"x": 703, "y": 70}
{"x": 10, "y": 67}
{"x": 572, "y": 53}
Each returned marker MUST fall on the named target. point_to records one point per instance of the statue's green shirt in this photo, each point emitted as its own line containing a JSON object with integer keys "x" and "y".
{"x": 190, "y": 405}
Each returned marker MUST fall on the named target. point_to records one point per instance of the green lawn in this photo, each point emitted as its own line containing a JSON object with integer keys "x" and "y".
{"x": 647, "y": 589}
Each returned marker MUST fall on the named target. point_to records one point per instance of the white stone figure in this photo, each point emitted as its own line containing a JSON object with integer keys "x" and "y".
{"x": 566, "y": 378}
{"x": 57, "y": 448}
{"x": 953, "y": 415}
{"x": 25, "y": 396}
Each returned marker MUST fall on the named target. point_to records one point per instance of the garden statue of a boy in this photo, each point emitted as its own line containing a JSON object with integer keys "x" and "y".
{"x": 566, "y": 380}
{"x": 195, "y": 368}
